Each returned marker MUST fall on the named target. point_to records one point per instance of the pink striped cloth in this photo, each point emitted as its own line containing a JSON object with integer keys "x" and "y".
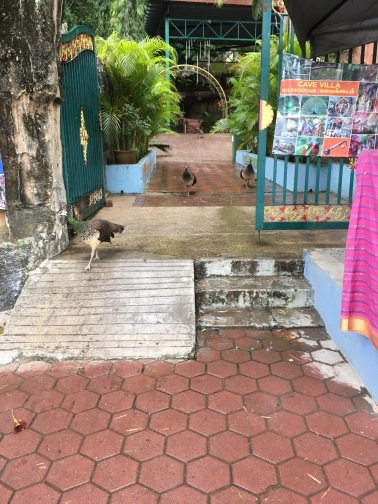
{"x": 359, "y": 306}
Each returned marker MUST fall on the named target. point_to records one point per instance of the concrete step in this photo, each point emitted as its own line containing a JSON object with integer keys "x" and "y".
{"x": 247, "y": 292}
{"x": 248, "y": 267}
{"x": 259, "y": 318}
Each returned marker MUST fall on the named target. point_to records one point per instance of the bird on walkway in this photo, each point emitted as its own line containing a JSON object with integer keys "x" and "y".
{"x": 93, "y": 232}
{"x": 188, "y": 178}
{"x": 247, "y": 173}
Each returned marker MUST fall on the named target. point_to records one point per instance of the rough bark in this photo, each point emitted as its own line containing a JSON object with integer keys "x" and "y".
{"x": 30, "y": 128}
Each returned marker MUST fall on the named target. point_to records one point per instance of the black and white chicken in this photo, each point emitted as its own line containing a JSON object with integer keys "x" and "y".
{"x": 93, "y": 232}
{"x": 247, "y": 173}
{"x": 188, "y": 178}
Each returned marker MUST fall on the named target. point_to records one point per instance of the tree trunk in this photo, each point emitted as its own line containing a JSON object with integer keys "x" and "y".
{"x": 30, "y": 143}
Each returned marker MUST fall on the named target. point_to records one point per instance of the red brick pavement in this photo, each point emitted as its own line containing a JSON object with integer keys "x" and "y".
{"x": 251, "y": 420}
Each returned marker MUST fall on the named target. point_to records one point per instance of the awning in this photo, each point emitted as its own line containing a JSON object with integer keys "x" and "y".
{"x": 334, "y": 25}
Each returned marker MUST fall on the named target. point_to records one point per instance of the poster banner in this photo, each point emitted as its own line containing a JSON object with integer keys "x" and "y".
{"x": 3, "y": 203}
{"x": 326, "y": 109}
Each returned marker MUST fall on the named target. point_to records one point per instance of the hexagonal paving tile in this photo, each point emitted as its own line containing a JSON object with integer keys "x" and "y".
{"x": 115, "y": 473}
{"x": 190, "y": 368}
{"x": 246, "y": 423}
{"x": 327, "y": 356}
{"x": 52, "y": 421}
{"x": 36, "y": 493}
{"x": 315, "y": 448}
{"x": 326, "y": 424}
{"x": 272, "y": 447}
{"x": 24, "y": 471}
{"x": 299, "y": 403}
{"x": 168, "y": 422}
{"x": 240, "y": 384}
{"x": 349, "y": 477}
{"x": 60, "y": 369}
{"x": 85, "y": 493}
{"x": 139, "y": 384}
{"x": 265, "y": 356}
{"x": 331, "y": 496}
{"x": 80, "y": 401}
{"x": 90, "y": 421}
{"x": 158, "y": 368}
{"x": 336, "y": 404}
{"x": 281, "y": 495}
{"x": 254, "y": 474}
{"x": 32, "y": 368}
{"x": 207, "y": 422}
{"x": 101, "y": 445}
{"x": 46, "y": 400}
{"x": 217, "y": 343}
{"x": 93, "y": 369}
{"x": 134, "y": 493}
{"x": 248, "y": 343}
{"x": 37, "y": 384}
{"x": 60, "y": 444}
{"x": 207, "y": 474}
{"x": 125, "y": 369}
{"x": 358, "y": 448}
{"x": 302, "y": 476}
{"x": 229, "y": 446}
{"x": 172, "y": 384}
{"x": 130, "y": 421}
{"x": 13, "y": 447}
{"x": 363, "y": 423}
{"x": 144, "y": 445}
{"x": 287, "y": 370}
{"x": 233, "y": 495}
{"x": 225, "y": 402}
{"x": 318, "y": 370}
{"x": 72, "y": 384}
{"x": 254, "y": 369}
{"x": 206, "y": 384}
{"x": 189, "y": 401}
{"x": 274, "y": 385}
{"x": 183, "y": 495}
{"x": 222, "y": 369}
{"x": 152, "y": 401}
{"x": 286, "y": 423}
{"x": 186, "y": 446}
{"x": 236, "y": 355}
{"x": 206, "y": 354}
{"x": 104, "y": 384}
{"x": 309, "y": 386}
{"x": 162, "y": 473}
{"x": 70, "y": 472}
{"x": 261, "y": 402}
{"x": 117, "y": 401}
{"x": 12, "y": 400}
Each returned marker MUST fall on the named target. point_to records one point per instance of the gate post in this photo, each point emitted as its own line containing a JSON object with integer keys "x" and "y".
{"x": 264, "y": 87}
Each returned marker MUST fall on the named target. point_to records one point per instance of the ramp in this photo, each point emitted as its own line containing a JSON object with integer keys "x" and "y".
{"x": 136, "y": 308}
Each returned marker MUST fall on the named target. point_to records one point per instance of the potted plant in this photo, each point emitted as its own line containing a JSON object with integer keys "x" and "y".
{"x": 140, "y": 100}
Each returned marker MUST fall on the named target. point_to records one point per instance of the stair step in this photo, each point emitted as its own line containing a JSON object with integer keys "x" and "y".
{"x": 262, "y": 291}
{"x": 259, "y": 318}
{"x": 248, "y": 267}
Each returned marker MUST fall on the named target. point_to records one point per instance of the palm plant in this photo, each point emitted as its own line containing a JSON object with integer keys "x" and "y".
{"x": 141, "y": 100}
{"x": 244, "y": 102}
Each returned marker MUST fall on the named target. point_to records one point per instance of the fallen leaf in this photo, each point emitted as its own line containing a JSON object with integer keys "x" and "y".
{"x": 19, "y": 424}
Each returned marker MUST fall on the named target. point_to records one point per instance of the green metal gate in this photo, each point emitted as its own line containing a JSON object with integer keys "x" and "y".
{"x": 309, "y": 195}
{"x": 83, "y": 166}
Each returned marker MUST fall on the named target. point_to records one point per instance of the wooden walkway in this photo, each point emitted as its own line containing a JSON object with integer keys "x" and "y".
{"x": 120, "y": 309}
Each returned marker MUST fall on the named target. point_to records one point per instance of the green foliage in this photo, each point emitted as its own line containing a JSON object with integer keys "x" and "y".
{"x": 141, "y": 101}
{"x": 244, "y": 102}
{"x": 123, "y": 17}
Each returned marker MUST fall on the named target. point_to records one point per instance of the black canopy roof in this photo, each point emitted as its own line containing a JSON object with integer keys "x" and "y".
{"x": 334, "y": 25}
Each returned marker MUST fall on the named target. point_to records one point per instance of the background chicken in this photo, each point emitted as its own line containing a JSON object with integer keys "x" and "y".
{"x": 94, "y": 232}
{"x": 247, "y": 173}
{"x": 188, "y": 178}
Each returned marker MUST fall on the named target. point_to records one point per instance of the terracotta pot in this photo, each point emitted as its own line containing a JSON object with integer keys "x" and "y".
{"x": 124, "y": 156}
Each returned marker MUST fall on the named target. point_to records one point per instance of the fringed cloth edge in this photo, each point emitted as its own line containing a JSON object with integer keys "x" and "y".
{"x": 361, "y": 326}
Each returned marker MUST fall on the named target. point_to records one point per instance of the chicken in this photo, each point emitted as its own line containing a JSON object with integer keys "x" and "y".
{"x": 188, "y": 178}
{"x": 247, "y": 173}
{"x": 94, "y": 232}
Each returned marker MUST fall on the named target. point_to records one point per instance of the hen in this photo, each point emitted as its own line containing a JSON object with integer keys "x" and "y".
{"x": 94, "y": 232}
{"x": 247, "y": 173}
{"x": 188, "y": 178}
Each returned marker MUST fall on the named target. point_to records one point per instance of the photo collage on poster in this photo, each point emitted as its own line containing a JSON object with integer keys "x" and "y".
{"x": 326, "y": 109}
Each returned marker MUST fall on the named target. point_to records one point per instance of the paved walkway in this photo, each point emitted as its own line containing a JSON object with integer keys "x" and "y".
{"x": 258, "y": 417}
